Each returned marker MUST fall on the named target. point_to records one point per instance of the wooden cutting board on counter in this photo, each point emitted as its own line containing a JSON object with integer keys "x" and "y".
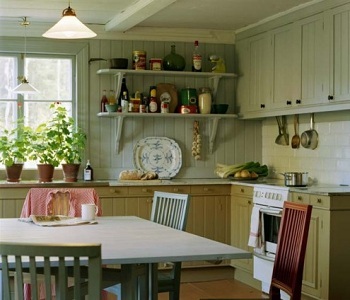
{"x": 167, "y": 91}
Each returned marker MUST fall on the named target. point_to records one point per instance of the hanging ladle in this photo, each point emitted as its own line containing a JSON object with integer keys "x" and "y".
{"x": 296, "y": 137}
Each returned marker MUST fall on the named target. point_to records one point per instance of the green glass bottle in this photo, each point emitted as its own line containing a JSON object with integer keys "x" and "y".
{"x": 174, "y": 61}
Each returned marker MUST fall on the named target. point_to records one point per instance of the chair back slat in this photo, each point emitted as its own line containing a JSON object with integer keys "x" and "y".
{"x": 42, "y": 259}
{"x": 291, "y": 247}
{"x": 170, "y": 209}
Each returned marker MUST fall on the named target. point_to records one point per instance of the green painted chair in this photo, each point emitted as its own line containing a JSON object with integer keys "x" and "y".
{"x": 52, "y": 261}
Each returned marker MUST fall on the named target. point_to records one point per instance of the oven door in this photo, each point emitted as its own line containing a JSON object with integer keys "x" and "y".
{"x": 270, "y": 224}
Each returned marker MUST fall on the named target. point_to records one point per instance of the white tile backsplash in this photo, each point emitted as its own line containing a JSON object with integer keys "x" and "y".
{"x": 328, "y": 163}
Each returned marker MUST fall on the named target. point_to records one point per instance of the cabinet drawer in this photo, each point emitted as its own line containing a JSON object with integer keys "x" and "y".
{"x": 320, "y": 201}
{"x": 148, "y": 190}
{"x": 301, "y": 198}
{"x": 13, "y": 193}
{"x": 210, "y": 190}
{"x": 112, "y": 191}
{"x": 243, "y": 190}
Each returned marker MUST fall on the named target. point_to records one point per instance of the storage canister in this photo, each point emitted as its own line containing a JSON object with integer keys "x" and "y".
{"x": 139, "y": 60}
{"x": 204, "y": 100}
{"x": 155, "y": 64}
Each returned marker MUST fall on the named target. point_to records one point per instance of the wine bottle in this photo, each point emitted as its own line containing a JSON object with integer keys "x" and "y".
{"x": 196, "y": 58}
{"x": 88, "y": 172}
{"x": 123, "y": 89}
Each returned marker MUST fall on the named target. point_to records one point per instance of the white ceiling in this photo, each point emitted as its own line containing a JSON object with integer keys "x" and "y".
{"x": 123, "y": 16}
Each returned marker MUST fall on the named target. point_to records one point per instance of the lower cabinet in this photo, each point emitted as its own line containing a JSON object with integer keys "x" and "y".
{"x": 209, "y": 213}
{"x": 11, "y": 202}
{"x": 326, "y": 274}
{"x": 241, "y": 210}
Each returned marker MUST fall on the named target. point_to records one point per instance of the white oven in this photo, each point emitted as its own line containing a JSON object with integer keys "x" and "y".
{"x": 267, "y": 212}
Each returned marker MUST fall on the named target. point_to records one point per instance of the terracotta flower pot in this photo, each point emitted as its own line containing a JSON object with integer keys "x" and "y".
{"x": 70, "y": 172}
{"x": 14, "y": 172}
{"x": 45, "y": 172}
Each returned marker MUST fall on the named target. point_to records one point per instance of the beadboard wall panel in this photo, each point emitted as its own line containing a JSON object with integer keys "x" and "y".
{"x": 236, "y": 141}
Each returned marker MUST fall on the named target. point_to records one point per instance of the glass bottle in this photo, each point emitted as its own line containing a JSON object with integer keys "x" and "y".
{"x": 103, "y": 102}
{"x": 174, "y": 61}
{"x": 153, "y": 105}
{"x": 88, "y": 172}
{"x": 111, "y": 98}
{"x": 123, "y": 89}
{"x": 125, "y": 102}
{"x": 196, "y": 58}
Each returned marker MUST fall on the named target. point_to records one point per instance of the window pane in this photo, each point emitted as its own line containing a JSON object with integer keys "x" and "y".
{"x": 51, "y": 76}
{"x": 8, "y": 75}
{"x": 39, "y": 112}
{"x": 8, "y": 113}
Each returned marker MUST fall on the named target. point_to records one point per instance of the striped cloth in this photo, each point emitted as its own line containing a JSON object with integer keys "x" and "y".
{"x": 51, "y": 201}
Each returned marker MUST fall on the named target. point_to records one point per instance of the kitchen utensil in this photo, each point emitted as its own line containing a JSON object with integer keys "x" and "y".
{"x": 284, "y": 130}
{"x": 295, "y": 178}
{"x": 280, "y": 140}
{"x": 119, "y": 63}
{"x": 309, "y": 138}
{"x": 296, "y": 138}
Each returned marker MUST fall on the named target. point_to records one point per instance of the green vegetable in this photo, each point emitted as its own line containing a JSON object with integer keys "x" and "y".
{"x": 224, "y": 171}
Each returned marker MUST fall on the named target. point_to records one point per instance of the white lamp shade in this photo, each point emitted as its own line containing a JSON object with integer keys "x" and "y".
{"x": 69, "y": 27}
{"x": 25, "y": 88}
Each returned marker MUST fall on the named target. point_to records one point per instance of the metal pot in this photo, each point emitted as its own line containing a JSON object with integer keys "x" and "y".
{"x": 295, "y": 178}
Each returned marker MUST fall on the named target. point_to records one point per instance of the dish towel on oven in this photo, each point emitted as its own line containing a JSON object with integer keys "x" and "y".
{"x": 255, "y": 229}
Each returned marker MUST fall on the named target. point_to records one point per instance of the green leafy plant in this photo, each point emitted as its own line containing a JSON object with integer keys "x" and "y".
{"x": 59, "y": 140}
{"x": 15, "y": 145}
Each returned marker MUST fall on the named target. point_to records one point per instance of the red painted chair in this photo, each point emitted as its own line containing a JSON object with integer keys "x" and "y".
{"x": 288, "y": 267}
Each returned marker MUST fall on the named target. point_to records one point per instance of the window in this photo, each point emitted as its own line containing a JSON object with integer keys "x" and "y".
{"x": 52, "y": 75}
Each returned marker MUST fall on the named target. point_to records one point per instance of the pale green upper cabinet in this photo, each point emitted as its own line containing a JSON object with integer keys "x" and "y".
{"x": 338, "y": 24}
{"x": 299, "y": 67}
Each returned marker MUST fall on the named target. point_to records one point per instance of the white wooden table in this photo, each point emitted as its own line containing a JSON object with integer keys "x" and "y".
{"x": 127, "y": 241}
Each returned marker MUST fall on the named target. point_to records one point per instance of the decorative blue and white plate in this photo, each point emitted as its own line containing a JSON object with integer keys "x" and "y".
{"x": 158, "y": 154}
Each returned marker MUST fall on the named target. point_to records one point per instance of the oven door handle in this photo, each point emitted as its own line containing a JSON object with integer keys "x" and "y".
{"x": 274, "y": 212}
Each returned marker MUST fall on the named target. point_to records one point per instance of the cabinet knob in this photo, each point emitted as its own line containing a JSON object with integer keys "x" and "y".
{"x": 300, "y": 198}
{"x": 249, "y": 202}
{"x": 330, "y": 97}
{"x": 298, "y": 101}
{"x": 175, "y": 190}
{"x": 145, "y": 190}
{"x": 289, "y": 102}
{"x": 242, "y": 190}
{"x": 113, "y": 191}
{"x": 319, "y": 200}
{"x": 262, "y": 105}
{"x": 205, "y": 189}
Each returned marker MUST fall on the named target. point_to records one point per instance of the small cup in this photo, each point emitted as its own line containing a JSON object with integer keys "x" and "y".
{"x": 88, "y": 212}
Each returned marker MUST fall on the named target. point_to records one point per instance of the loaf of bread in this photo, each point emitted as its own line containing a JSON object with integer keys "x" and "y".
{"x": 149, "y": 176}
{"x": 130, "y": 175}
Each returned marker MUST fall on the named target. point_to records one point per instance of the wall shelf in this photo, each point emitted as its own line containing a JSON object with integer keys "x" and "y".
{"x": 213, "y": 78}
{"x": 119, "y": 119}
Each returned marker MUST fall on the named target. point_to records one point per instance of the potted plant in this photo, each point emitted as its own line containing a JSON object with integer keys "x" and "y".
{"x": 59, "y": 141}
{"x": 14, "y": 150}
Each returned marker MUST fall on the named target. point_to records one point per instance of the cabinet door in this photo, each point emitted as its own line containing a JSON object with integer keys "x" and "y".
{"x": 254, "y": 87}
{"x": 314, "y": 58}
{"x": 317, "y": 256}
{"x": 286, "y": 65}
{"x": 241, "y": 210}
{"x": 339, "y": 39}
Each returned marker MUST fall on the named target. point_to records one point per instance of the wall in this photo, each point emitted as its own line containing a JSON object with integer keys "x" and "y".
{"x": 236, "y": 141}
{"x": 328, "y": 163}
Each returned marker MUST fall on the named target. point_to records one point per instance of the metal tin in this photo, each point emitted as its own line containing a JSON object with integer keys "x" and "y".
{"x": 139, "y": 60}
{"x": 188, "y": 109}
{"x": 155, "y": 64}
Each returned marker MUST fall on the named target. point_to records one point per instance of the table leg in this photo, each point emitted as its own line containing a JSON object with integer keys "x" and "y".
{"x": 134, "y": 282}
{"x": 153, "y": 281}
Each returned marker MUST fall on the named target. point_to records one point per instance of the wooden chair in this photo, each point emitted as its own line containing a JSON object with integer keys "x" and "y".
{"x": 288, "y": 267}
{"x": 171, "y": 210}
{"x": 51, "y": 260}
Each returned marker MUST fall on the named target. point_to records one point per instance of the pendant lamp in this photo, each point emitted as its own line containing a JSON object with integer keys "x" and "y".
{"x": 69, "y": 27}
{"x": 25, "y": 87}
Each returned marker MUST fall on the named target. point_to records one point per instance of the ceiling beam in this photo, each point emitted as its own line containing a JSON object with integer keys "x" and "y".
{"x": 136, "y": 13}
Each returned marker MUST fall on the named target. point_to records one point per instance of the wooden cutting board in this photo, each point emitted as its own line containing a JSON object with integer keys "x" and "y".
{"x": 167, "y": 91}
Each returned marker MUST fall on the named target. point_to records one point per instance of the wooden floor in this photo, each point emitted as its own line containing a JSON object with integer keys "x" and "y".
{"x": 215, "y": 283}
{"x": 218, "y": 289}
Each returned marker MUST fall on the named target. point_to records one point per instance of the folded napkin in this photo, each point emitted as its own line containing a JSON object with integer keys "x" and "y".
{"x": 255, "y": 229}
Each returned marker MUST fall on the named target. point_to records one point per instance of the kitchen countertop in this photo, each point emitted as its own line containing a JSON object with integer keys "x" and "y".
{"x": 321, "y": 189}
